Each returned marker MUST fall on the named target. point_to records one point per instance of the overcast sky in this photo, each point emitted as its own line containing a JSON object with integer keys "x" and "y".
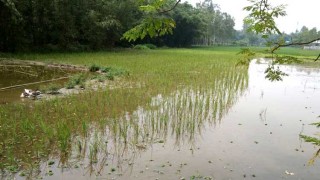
{"x": 299, "y": 13}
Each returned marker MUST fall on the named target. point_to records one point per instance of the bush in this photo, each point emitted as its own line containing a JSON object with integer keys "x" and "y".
{"x": 77, "y": 79}
{"x": 113, "y": 72}
{"x": 141, "y": 47}
{"x": 145, "y": 46}
{"x": 151, "y": 46}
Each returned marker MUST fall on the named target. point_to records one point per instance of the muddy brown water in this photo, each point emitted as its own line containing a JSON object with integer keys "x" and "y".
{"x": 18, "y": 74}
{"x": 257, "y": 138}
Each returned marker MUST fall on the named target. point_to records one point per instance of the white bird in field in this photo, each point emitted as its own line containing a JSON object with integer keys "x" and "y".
{"x": 30, "y": 93}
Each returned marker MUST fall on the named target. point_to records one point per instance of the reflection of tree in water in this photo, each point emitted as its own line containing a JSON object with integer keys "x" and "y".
{"x": 184, "y": 114}
{"x": 112, "y": 141}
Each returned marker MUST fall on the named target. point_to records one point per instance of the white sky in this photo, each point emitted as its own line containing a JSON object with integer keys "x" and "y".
{"x": 299, "y": 13}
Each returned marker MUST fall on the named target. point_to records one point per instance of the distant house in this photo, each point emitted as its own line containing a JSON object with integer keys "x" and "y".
{"x": 313, "y": 46}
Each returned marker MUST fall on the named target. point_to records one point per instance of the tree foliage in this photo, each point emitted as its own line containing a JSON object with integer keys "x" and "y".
{"x": 156, "y": 22}
{"x": 262, "y": 17}
{"x": 261, "y": 20}
{"x": 94, "y": 24}
{"x": 65, "y": 25}
{"x": 188, "y": 26}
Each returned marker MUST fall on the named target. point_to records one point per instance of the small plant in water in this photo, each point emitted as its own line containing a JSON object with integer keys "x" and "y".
{"x": 51, "y": 163}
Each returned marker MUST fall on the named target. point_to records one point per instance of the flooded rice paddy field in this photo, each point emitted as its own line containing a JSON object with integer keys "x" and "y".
{"x": 238, "y": 126}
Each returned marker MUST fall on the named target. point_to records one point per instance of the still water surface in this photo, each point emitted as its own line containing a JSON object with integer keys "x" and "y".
{"x": 12, "y": 75}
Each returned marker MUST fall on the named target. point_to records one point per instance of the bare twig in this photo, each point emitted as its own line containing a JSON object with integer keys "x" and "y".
{"x": 277, "y": 46}
{"x": 172, "y": 8}
{"x": 317, "y": 58}
{"x": 293, "y": 44}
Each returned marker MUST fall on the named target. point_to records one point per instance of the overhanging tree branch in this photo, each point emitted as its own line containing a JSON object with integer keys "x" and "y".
{"x": 293, "y": 44}
{"x": 278, "y": 45}
{"x": 172, "y": 8}
{"x": 317, "y": 58}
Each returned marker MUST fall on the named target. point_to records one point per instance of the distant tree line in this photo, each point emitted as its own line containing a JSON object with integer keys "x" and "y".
{"x": 64, "y": 24}
{"x": 305, "y": 34}
{"x": 245, "y": 38}
{"x": 28, "y": 25}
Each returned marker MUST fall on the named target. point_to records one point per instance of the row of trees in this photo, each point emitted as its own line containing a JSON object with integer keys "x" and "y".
{"x": 95, "y": 24}
{"x": 64, "y": 24}
{"x": 305, "y": 35}
{"x": 245, "y": 38}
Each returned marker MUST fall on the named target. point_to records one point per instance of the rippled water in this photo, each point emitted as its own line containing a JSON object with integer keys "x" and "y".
{"x": 236, "y": 129}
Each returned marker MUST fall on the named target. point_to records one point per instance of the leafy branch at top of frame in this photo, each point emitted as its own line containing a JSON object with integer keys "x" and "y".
{"x": 159, "y": 6}
{"x": 155, "y": 23}
{"x": 170, "y": 9}
{"x": 261, "y": 20}
{"x": 151, "y": 26}
{"x": 261, "y": 17}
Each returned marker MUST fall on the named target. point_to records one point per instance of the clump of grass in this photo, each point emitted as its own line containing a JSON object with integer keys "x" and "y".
{"x": 109, "y": 73}
{"x": 94, "y": 68}
{"x": 151, "y": 46}
{"x": 75, "y": 80}
{"x": 63, "y": 133}
{"x": 13, "y": 168}
{"x": 106, "y": 69}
